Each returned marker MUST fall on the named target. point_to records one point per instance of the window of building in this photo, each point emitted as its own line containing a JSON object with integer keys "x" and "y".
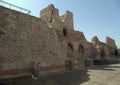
{"x": 81, "y": 50}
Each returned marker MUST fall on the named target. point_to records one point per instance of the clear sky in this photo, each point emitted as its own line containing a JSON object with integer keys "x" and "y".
{"x": 99, "y": 18}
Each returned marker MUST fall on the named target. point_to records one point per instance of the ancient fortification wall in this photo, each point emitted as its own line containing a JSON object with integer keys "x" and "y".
{"x": 26, "y": 39}
{"x": 50, "y": 40}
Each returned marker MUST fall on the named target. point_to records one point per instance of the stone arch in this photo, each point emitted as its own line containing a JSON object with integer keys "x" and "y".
{"x": 81, "y": 51}
{"x": 69, "y": 63}
{"x": 70, "y": 46}
{"x": 69, "y": 50}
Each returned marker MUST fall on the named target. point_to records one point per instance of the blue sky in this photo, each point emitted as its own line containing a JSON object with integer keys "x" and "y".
{"x": 93, "y": 17}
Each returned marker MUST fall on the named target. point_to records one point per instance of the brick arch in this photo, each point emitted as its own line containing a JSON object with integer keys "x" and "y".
{"x": 70, "y": 50}
{"x": 70, "y": 46}
{"x": 81, "y": 50}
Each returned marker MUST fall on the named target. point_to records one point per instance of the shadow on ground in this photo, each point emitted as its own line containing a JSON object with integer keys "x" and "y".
{"x": 75, "y": 77}
{"x": 105, "y": 67}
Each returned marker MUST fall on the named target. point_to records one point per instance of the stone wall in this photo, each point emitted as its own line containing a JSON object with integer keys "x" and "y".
{"x": 67, "y": 19}
{"x": 51, "y": 17}
{"x": 50, "y": 40}
{"x": 26, "y": 39}
{"x": 105, "y": 50}
{"x": 110, "y": 42}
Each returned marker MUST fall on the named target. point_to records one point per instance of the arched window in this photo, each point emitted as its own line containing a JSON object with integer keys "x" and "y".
{"x": 81, "y": 50}
{"x": 69, "y": 50}
{"x": 70, "y": 47}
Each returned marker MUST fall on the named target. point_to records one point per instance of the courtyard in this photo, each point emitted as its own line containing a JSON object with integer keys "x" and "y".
{"x": 97, "y": 75}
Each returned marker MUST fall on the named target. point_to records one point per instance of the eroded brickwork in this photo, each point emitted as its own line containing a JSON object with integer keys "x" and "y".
{"x": 104, "y": 50}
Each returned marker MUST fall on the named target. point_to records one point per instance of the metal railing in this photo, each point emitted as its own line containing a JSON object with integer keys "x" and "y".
{"x": 3, "y": 3}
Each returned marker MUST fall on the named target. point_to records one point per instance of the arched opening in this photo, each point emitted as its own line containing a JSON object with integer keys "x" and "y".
{"x": 80, "y": 55}
{"x": 69, "y": 50}
{"x": 70, "y": 47}
{"x": 81, "y": 51}
{"x": 69, "y": 56}
{"x": 65, "y": 32}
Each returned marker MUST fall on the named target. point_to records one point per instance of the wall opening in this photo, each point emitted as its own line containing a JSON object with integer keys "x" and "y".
{"x": 81, "y": 51}
{"x": 69, "y": 50}
{"x": 65, "y": 32}
{"x": 70, "y": 47}
{"x": 69, "y": 56}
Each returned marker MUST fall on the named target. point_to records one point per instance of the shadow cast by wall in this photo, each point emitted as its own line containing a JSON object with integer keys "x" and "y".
{"x": 75, "y": 77}
{"x": 69, "y": 78}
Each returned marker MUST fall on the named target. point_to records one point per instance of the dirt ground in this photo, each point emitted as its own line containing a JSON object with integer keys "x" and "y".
{"x": 100, "y": 75}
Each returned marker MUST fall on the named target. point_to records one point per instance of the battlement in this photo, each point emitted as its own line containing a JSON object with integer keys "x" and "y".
{"x": 67, "y": 19}
{"x": 51, "y": 16}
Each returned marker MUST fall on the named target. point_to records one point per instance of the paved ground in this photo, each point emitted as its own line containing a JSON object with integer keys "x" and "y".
{"x": 102, "y": 75}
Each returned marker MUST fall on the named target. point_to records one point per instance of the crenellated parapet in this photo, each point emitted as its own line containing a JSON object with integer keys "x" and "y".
{"x": 51, "y": 16}
{"x": 67, "y": 19}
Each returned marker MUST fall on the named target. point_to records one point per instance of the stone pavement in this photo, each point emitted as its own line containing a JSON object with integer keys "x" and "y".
{"x": 104, "y": 75}
{"x": 101, "y": 75}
